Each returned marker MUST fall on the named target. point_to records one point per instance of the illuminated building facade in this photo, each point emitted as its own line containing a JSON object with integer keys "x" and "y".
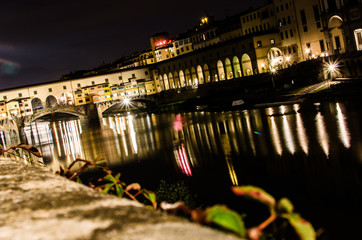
{"x": 342, "y": 25}
{"x": 19, "y": 107}
{"x": 266, "y": 39}
{"x": 3, "y": 110}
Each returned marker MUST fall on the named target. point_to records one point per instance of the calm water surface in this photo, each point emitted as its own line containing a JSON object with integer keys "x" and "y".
{"x": 310, "y": 153}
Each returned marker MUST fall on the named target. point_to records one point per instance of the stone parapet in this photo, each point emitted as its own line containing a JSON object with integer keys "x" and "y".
{"x": 37, "y": 204}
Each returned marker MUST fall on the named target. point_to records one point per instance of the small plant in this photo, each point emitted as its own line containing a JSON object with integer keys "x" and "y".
{"x": 109, "y": 184}
{"x": 229, "y": 220}
{"x": 22, "y": 151}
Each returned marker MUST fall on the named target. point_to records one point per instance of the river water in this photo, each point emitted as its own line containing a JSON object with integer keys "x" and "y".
{"x": 308, "y": 152}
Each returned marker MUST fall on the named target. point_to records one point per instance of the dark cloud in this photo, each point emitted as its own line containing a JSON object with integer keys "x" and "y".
{"x": 46, "y": 39}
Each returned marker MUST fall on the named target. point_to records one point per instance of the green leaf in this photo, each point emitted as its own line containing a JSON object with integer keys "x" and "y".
{"x": 255, "y": 193}
{"x": 109, "y": 178}
{"x": 117, "y": 177}
{"x": 107, "y": 187}
{"x": 303, "y": 228}
{"x": 285, "y": 206}
{"x": 100, "y": 162}
{"x": 79, "y": 180}
{"x": 151, "y": 196}
{"x": 226, "y": 218}
{"x": 119, "y": 190}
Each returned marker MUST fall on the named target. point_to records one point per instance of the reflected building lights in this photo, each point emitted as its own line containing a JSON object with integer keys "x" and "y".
{"x": 275, "y": 136}
{"x": 182, "y": 161}
{"x": 233, "y": 134}
{"x": 322, "y": 134}
{"x": 132, "y": 133}
{"x": 250, "y": 132}
{"x": 225, "y": 142}
{"x": 80, "y": 127}
{"x": 233, "y": 177}
{"x": 343, "y": 130}
{"x": 212, "y": 137}
{"x": 288, "y": 135}
{"x": 205, "y": 136}
{"x": 240, "y": 131}
{"x": 57, "y": 139}
{"x": 301, "y": 132}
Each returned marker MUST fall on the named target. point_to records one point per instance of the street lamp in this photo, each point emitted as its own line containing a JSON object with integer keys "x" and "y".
{"x": 332, "y": 71}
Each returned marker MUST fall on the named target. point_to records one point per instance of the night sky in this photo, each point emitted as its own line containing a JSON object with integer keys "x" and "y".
{"x": 42, "y": 40}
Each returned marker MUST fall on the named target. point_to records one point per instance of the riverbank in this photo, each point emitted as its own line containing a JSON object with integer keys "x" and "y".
{"x": 37, "y": 204}
{"x": 224, "y": 99}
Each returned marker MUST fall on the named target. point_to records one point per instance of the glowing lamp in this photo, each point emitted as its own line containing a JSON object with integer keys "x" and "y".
{"x": 126, "y": 101}
{"x": 331, "y": 67}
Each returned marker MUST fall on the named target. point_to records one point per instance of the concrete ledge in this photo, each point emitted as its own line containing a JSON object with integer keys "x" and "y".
{"x": 37, "y": 204}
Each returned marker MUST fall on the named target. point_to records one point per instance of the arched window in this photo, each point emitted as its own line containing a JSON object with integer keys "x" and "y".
{"x": 246, "y": 65}
{"x": 207, "y": 74}
{"x": 229, "y": 70}
{"x": 237, "y": 68}
{"x": 220, "y": 70}
{"x": 51, "y": 101}
{"x": 200, "y": 74}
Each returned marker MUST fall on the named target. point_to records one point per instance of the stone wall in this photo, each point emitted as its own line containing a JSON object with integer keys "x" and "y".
{"x": 37, "y": 204}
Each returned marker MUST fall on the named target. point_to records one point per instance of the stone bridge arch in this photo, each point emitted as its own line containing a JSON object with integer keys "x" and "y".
{"x": 77, "y": 111}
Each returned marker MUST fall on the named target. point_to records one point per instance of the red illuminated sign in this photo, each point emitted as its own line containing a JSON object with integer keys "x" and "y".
{"x": 162, "y": 43}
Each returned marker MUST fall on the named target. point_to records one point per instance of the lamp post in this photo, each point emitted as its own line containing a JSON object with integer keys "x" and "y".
{"x": 273, "y": 72}
{"x": 332, "y": 70}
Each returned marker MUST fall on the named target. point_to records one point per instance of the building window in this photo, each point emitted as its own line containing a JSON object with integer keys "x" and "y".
{"x": 284, "y": 21}
{"x": 258, "y": 43}
{"x": 286, "y": 34}
{"x": 272, "y": 41}
{"x": 277, "y": 9}
{"x": 318, "y": 24}
{"x": 133, "y": 75}
{"x": 321, "y": 44}
{"x": 291, "y": 32}
{"x": 338, "y": 43}
{"x": 316, "y": 12}
{"x": 281, "y": 35}
{"x": 289, "y": 20}
{"x": 281, "y": 8}
{"x": 78, "y": 84}
{"x": 64, "y": 87}
{"x": 120, "y": 77}
{"x": 302, "y": 16}
{"x": 50, "y": 90}
{"x": 35, "y": 92}
{"x": 305, "y": 28}
{"x": 286, "y": 6}
{"x": 106, "y": 80}
{"x": 93, "y": 83}
{"x": 146, "y": 73}
{"x": 20, "y": 95}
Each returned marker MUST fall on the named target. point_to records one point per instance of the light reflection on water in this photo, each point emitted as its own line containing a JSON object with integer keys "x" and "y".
{"x": 309, "y": 144}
